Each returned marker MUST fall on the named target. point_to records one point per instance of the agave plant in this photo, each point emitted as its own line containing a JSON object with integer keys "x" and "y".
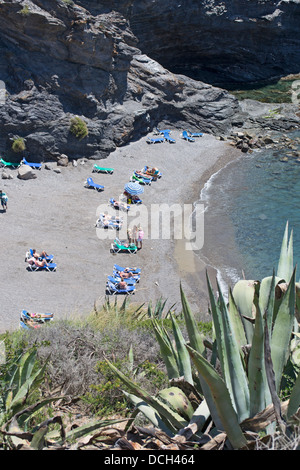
{"x": 233, "y": 380}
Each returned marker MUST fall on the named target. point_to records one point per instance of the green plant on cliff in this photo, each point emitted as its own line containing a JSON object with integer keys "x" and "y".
{"x": 78, "y": 128}
{"x": 228, "y": 387}
{"x": 25, "y": 11}
{"x": 18, "y": 145}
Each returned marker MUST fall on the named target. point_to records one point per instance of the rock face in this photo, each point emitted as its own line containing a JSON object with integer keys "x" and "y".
{"x": 229, "y": 42}
{"x": 59, "y": 60}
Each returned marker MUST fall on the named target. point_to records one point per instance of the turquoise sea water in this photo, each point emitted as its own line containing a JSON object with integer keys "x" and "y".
{"x": 247, "y": 206}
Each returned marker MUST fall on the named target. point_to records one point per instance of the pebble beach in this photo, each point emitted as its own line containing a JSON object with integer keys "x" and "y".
{"x": 57, "y": 213}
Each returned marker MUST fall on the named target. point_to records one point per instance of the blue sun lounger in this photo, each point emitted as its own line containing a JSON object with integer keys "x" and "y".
{"x": 90, "y": 184}
{"x": 36, "y": 317}
{"x": 115, "y": 280}
{"x": 195, "y": 134}
{"x": 112, "y": 289}
{"x": 168, "y": 138}
{"x": 135, "y": 278}
{"x": 36, "y": 166}
{"x": 162, "y": 131}
{"x": 155, "y": 175}
{"x": 185, "y": 136}
{"x": 121, "y": 269}
{"x": 155, "y": 140}
{"x": 49, "y": 267}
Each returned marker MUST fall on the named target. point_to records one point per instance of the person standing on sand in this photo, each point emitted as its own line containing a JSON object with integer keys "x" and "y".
{"x": 140, "y": 236}
{"x": 129, "y": 236}
{"x": 134, "y": 235}
{"x": 4, "y": 199}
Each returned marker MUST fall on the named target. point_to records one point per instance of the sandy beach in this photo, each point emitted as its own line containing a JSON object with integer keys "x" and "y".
{"x": 57, "y": 213}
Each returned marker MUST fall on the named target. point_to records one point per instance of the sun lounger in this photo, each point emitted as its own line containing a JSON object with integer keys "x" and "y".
{"x": 111, "y": 288}
{"x": 141, "y": 179}
{"x": 119, "y": 205}
{"x": 155, "y": 140}
{"x": 36, "y": 166}
{"x": 135, "y": 278}
{"x": 161, "y": 131}
{"x": 118, "y": 247}
{"x": 112, "y": 223}
{"x": 90, "y": 184}
{"x": 29, "y": 254}
{"x": 37, "y": 318}
{"x": 99, "y": 169}
{"x": 24, "y": 326}
{"x": 167, "y": 137}
{"x": 49, "y": 267}
{"x": 119, "y": 268}
{"x": 154, "y": 175}
{"x": 116, "y": 280}
{"x": 3, "y": 163}
{"x": 195, "y": 134}
{"x": 185, "y": 136}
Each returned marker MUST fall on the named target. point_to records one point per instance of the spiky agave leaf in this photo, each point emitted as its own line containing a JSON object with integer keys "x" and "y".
{"x": 234, "y": 372}
{"x": 221, "y": 398}
{"x": 167, "y": 351}
{"x": 151, "y": 414}
{"x": 243, "y": 293}
{"x": 183, "y": 358}
{"x": 285, "y": 264}
{"x": 282, "y": 331}
{"x": 294, "y": 401}
{"x": 164, "y": 411}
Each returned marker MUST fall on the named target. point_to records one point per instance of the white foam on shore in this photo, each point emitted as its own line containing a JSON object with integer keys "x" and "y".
{"x": 226, "y": 274}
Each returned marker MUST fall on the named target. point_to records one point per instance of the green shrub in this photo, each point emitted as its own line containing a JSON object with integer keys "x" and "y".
{"x": 78, "y": 128}
{"x": 25, "y": 11}
{"x": 18, "y": 145}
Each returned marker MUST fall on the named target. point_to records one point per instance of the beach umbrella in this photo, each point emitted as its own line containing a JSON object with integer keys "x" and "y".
{"x": 133, "y": 189}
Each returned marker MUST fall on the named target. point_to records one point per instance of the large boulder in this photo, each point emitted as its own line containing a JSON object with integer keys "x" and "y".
{"x": 25, "y": 172}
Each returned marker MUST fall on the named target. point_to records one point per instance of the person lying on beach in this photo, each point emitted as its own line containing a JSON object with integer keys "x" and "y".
{"x": 150, "y": 171}
{"x": 119, "y": 204}
{"x": 122, "y": 285}
{"x": 36, "y": 255}
{"x": 127, "y": 275}
{"x": 106, "y": 219}
{"x": 31, "y": 323}
{"x": 127, "y": 270}
{"x": 39, "y": 262}
{"x": 142, "y": 174}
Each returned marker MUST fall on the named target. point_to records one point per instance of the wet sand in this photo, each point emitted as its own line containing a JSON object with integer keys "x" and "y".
{"x": 57, "y": 213}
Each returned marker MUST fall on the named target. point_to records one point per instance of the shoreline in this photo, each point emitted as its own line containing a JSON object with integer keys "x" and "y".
{"x": 196, "y": 276}
{"x": 57, "y": 213}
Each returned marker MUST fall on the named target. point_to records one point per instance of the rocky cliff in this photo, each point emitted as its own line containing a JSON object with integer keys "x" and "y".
{"x": 92, "y": 59}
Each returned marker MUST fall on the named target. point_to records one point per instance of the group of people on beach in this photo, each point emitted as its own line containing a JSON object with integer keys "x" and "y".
{"x": 135, "y": 236}
{"x": 38, "y": 259}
